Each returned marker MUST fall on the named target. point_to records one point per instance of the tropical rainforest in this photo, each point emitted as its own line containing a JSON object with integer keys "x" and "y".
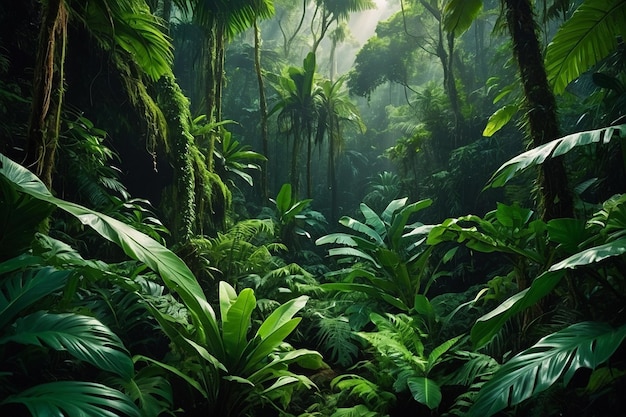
{"x": 312, "y": 208}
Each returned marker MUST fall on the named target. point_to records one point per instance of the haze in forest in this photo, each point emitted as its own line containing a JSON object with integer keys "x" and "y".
{"x": 312, "y": 208}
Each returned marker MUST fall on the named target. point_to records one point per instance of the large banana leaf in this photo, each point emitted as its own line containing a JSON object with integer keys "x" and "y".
{"x": 552, "y": 149}
{"x": 459, "y": 15}
{"x": 489, "y": 324}
{"x": 22, "y": 290}
{"x": 425, "y": 391}
{"x": 590, "y": 35}
{"x": 83, "y": 337}
{"x": 175, "y": 274}
{"x": 71, "y": 398}
{"x": 558, "y": 355}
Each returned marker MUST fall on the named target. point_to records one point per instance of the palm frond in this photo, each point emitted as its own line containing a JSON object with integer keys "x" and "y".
{"x": 590, "y": 35}
{"x": 558, "y": 355}
{"x": 83, "y": 337}
{"x": 71, "y": 398}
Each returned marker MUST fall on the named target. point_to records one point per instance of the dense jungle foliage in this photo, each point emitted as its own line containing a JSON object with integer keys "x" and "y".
{"x": 312, "y": 208}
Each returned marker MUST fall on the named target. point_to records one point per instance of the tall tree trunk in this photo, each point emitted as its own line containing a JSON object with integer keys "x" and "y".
{"x": 263, "y": 108}
{"x": 48, "y": 90}
{"x": 295, "y": 175}
{"x": 541, "y": 107}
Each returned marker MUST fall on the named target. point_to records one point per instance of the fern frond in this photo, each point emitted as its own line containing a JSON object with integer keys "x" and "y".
{"x": 335, "y": 336}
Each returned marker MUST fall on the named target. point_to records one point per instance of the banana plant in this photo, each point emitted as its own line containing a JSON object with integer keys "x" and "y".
{"x": 391, "y": 255}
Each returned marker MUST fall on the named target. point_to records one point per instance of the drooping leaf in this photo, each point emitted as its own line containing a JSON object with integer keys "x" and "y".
{"x": 590, "y": 35}
{"x": 460, "y": 14}
{"x": 73, "y": 398}
{"x": 552, "y": 149}
{"x": 489, "y": 324}
{"x": 174, "y": 272}
{"x": 83, "y": 337}
{"x": 499, "y": 119}
{"x": 558, "y": 355}
{"x": 22, "y": 290}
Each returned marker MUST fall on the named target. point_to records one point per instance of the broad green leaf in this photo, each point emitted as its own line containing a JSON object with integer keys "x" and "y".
{"x": 281, "y": 315}
{"x": 236, "y": 325}
{"x": 372, "y": 219}
{"x": 391, "y": 208}
{"x": 73, "y": 398}
{"x": 592, "y": 255}
{"x": 284, "y": 198}
{"x": 174, "y": 272}
{"x": 353, "y": 252}
{"x": 357, "y": 226}
{"x": 488, "y": 325}
{"x": 346, "y": 240}
{"x": 398, "y": 225}
{"x": 552, "y": 149}
{"x": 437, "y": 352}
{"x": 590, "y": 35}
{"x": 22, "y": 290}
{"x": 259, "y": 349}
{"x": 558, "y": 355}
{"x": 425, "y": 391}
{"x": 227, "y": 296}
{"x": 188, "y": 379}
{"x": 460, "y": 14}
{"x": 83, "y": 337}
{"x": 499, "y": 119}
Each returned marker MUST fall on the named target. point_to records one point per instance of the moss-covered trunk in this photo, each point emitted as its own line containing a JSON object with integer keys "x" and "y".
{"x": 541, "y": 107}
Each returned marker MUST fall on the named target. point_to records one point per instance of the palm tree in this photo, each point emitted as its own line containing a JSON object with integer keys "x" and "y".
{"x": 298, "y": 105}
{"x": 333, "y": 11}
{"x": 335, "y": 111}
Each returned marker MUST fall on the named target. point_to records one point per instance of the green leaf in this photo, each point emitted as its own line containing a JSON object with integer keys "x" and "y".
{"x": 590, "y": 35}
{"x": 499, "y": 119}
{"x": 72, "y": 398}
{"x": 425, "y": 391}
{"x": 284, "y": 198}
{"x": 558, "y": 355}
{"x": 236, "y": 324}
{"x": 552, "y": 149}
{"x": 391, "y": 208}
{"x": 460, "y": 14}
{"x": 488, "y": 325}
{"x": 174, "y": 272}
{"x": 83, "y": 337}
{"x": 357, "y": 226}
{"x": 22, "y": 290}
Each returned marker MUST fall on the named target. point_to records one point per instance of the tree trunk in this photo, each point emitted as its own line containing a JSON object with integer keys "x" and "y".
{"x": 541, "y": 108}
{"x": 48, "y": 90}
{"x": 263, "y": 109}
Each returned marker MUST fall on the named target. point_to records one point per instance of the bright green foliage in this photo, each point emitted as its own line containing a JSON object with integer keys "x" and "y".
{"x": 245, "y": 371}
{"x": 558, "y": 355}
{"x": 294, "y": 218}
{"x": 590, "y": 35}
{"x": 399, "y": 345}
{"x": 391, "y": 254}
{"x": 130, "y": 26}
{"x": 459, "y": 15}
{"x": 234, "y": 158}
